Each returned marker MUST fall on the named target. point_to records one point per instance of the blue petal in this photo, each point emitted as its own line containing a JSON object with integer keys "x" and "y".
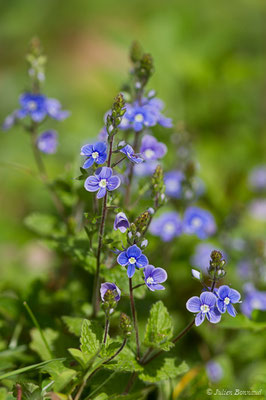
{"x": 231, "y": 310}
{"x": 104, "y": 172}
{"x": 193, "y": 304}
{"x": 113, "y": 183}
{"x": 100, "y": 147}
{"x": 234, "y": 296}
{"x": 91, "y": 184}
{"x": 38, "y": 116}
{"x": 134, "y": 251}
{"x": 148, "y": 270}
{"x": 199, "y": 319}
{"x": 86, "y": 150}
{"x": 131, "y": 270}
{"x": 101, "y": 193}
{"x": 223, "y": 291}
{"x": 142, "y": 261}
{"x": 102, "y": 158}
{"x": 214, "y": 316}
{"x": 156, "y": 286}
{"x": 159, "y": 275}
{"x": 208, "y": 298}
{"x": 88, "y": 163}
{"x": 122, "y": 259}
{"x": 221, "y": 306}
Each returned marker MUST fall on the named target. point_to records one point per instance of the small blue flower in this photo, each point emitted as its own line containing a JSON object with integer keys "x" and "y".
{"x": 138, "y": 117}
{"x": 132, "y": 258}
{"x": 129, "y": 152}
{"x": 47, "y": 142}
{"x": 33, "y": 105}
{"x": 257, "y": 209}
{"x": 151, "y": 149}
{"x": 157, "y": 105}
{"x": 121, "y": 222}
{"x": 153, "y": 277}
{"x": 95, "y": 153}
{"x": 204, "y": 306}
{"x": 102, "y": 181}
{"x": 173, "y": 183}
{"x": 257, "y": 178}
{"x": 167, "y": 226}
{"x": 199, "y": 222}
{"x": 110, "y": 286}
{"x": 54, "y": 110}
{"x": 254, "y": 300}
{"x": 145, "y": 169}
{"x": 9, "y": 121}
{"x": 214, "y": 371}
{"x": 226, "y": 298}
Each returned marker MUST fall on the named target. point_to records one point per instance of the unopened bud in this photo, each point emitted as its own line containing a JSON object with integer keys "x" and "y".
{"x": 125, "y": 324}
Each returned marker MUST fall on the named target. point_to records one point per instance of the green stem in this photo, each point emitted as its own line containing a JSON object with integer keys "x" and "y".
{"x": 131, "y": 170}
{"x": 134, "y": 316}
{"x": 37, "y": 325}
{"x": 106, "y": 329}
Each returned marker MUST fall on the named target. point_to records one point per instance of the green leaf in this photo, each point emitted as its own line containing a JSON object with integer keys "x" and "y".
{"x": 82, "y": 358}
{"x": 89, "y": 342}
{"x": 60, "y": 374}
{"x": 241, "y": 322}
{"x": 110, "y": 349}
{"x": 28, "y": 368}
{"x": 42, "y": 224}
{"x": 159, "y": 328}
{"x": 124, "y": 362}
{"x": 38, "y": 345}
{"x": 162, "y": 369}
{"x": 102, "y": 396}
{"x": 74, "y": 324}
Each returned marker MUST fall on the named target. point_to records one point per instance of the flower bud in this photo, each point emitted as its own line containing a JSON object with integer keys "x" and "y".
{"x": 135, "y": 52}
{"x": 196, "y": 274}
{"x": 125, "y": 325}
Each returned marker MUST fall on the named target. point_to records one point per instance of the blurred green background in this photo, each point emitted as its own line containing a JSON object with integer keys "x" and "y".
{"x": 210, "y": 61}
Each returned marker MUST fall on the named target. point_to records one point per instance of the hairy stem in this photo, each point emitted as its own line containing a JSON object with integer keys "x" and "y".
{"x": 106, "y": 329}
{"x": 131, "y": 170}
{"x": 134, "y": 316}
{"x": 96, "y": 284}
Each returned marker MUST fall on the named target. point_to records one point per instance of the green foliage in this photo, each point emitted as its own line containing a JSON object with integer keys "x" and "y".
{"x": 89, "y": 339}
{"x": 241, "y": 322}
{"x": 73, "y": 324}
{"x": 44, "y": 225}
{"x": 162, "y": 369}
{"x": 38, "y": 345}
{"x": 60, "y": 375}
{"x": 124, "y": 362}
{"x": 159, "y": 328}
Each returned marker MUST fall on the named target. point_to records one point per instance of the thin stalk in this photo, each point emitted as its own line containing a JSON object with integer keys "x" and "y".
{"x": 137, "y": 286}
{"x": 131, "y": 170}
{"x": 37, "y": 325}
{"x": 134, "y": 316}
{"x": 100, "y": 386}
{"x": 106, "y": 329}
{"x": 118, "y": 162}
{"x": 96, "y": 284}
{"x": 19, "y": 391}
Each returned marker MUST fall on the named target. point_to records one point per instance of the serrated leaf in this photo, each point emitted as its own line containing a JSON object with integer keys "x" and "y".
{"x": 74, "y": 324}
{"x": 162, "y": 369}
{"x": 38, "y": 345}
{"x": 110, "y": 349}
{"x": 89, "y": 343}
{"x": 159, "y": 328}
{"x": 124, "y": 362}
{"x": 60, "y": 374}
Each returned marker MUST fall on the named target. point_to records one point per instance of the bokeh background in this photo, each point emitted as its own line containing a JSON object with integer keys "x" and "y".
{"x": 210, "y": 61}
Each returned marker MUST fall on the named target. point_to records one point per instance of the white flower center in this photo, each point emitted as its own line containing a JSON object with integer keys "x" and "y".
{"x": 226, "y": 301}
{"x": 149, "y": 153}
{"x": 169, "y": 227}
{"x": 103, "y": 183}
{"x": 32, "y": 105}
{"x": 196, "y": 222}
{"x": 150, "y": 280}
{"x": 95, "y": 155}
{"x": 132, "y": 260}
{"x": 139, "y": 118}
{"x": 205, "y": 308}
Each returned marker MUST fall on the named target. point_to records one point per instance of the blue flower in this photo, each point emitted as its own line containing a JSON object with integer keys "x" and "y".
{"x": 47, "y": 142}
{"x": 95, "y": 153}
{"x": 33, "y": 105}
{"x": 226, "y": 298}
{"x": 254, "y": 300}
{"x": 145, "y": 169}
{"x": 154, "y": 276}
{"x": 138, "y": 117}
{"x": 37, "y": 107}
{"x": 121, "y": 222}
{"x": 167, "y": 226}
{"x": 214, "y": 371}
{"x": 199, "y": 222}
{"x": 102, "y": 181}
{"x": 257, "y": 178}
{"x": 110, "y": 286}
{"x": 173, "y": 183}
{"x": 257, "y": 209}
{"x": 204, "y": 306}
{"x": 151, "y": 149}
{"x": 132, "y": 258}
{"x": 157, "y": 105}
{"x": 129, "y": 152}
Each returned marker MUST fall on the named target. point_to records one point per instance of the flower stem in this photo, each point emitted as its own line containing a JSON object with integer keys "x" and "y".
{"x": 118, "y": 162}
{"x": 106, "y": 329}
{"x": 131, "y": 170}
{"x": 134, "y": 316}
{"x": 96, "y": 284}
